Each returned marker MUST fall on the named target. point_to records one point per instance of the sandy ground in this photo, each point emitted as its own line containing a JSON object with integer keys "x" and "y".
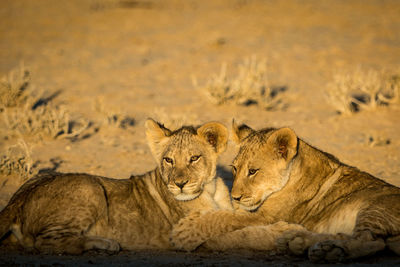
{"x": 141, "y": 58}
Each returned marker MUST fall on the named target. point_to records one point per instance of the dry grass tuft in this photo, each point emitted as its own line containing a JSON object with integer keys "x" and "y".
{"x": 43, "y": 121}
{"x": 13, "y": 88}
{"x": 339, "y": 93}
{"x": 112, "y": 117}
{"x": 250, "y": 86}
{"x": 363, "y": 90}
{"x": 390, "y": 92}
{"x": 18, "y": 161}
{"x": 26, "y": 114}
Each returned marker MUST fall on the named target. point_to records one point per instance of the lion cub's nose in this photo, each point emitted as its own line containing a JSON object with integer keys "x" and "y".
{"x": 236, "y": 198}
{"x": 181, "y": 184}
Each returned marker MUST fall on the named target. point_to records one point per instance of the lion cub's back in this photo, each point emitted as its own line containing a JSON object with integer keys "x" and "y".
{"x": 59, "y": 198}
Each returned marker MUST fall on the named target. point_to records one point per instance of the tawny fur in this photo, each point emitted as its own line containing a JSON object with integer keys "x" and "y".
{"x": 71, "y": 213}
{"x": 279, "y": 177}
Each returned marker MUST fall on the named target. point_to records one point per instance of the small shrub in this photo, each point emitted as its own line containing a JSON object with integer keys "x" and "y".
{"x": 43, "y": 121}
{"x": 27, "y": 114}
{"x": 13, "y": 88}
{"x": 112, "y": 117}
{"x": 250, "y": 86}
{"x": 339, "y": 93}
{"x": 362, "y": 90}
{"x": 390, "y": 92}
{"x": 367, "y": 87}
{"x": 18, "y": 161}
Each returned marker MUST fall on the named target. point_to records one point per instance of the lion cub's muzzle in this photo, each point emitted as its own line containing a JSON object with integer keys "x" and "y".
{"x": 246, "y": 203}
{"x": 184, "y": 189}
{"x": 181, "y": 183}
{"x": 237, "y": 198}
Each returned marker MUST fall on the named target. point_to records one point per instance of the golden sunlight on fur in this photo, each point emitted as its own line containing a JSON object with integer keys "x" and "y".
{"x": 279, "y": 177}
{"x": 71, "y": 213}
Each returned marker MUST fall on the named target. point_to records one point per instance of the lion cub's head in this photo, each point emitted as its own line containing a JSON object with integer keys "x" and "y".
{"x": 187, "y": 157}
{"x": 262, "y": 165}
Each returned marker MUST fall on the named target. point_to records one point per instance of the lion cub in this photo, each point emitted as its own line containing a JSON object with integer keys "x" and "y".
{"x": 278, "y": 176}
{"x": 71, "y": 213}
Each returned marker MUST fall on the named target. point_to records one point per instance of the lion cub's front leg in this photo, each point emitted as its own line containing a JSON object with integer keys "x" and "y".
{"x": 252, "y": 237}
{"x": 196, "y": 228}
{"x": 186, "y": 235}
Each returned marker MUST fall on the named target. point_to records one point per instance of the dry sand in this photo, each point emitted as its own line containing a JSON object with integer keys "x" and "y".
{"x": 141, "y": 58}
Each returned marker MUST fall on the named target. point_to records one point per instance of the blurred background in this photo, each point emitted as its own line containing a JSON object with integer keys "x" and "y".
{"x": 81, "y": 77}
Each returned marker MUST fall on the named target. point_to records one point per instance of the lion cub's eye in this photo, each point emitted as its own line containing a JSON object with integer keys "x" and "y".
{"x": 194, "y": 158}
{"x": 168, "y": 160}
{"x": 252, "y": 171}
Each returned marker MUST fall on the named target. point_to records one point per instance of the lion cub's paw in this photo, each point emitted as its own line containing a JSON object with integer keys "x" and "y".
{"x": 186, "y": 234}
{"x": 327, "y": 251}
{"x": 113, "y": 246}
{"x": 296, "y": 242}
{"x": 105, "y": 244}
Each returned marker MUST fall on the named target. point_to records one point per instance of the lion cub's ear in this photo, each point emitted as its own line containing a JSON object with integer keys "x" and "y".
{"x": 157, "y": 135}
{"x": 284, "y": 142}
{"x": 240, "y": 132}
{"x": 216, "y": 134}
